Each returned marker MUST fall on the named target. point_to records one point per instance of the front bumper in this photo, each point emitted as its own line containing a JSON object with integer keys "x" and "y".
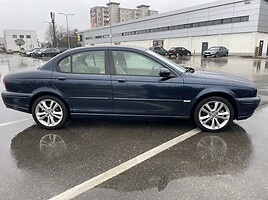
{"x": 247, "y": 106}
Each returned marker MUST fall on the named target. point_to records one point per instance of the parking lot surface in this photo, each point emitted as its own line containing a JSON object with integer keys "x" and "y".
{"x": 41, "y": 164}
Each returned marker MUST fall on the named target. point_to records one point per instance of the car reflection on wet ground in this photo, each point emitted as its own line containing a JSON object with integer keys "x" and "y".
{"x": 39, "y": 164}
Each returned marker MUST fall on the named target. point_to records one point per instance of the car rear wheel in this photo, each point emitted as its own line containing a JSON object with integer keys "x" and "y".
{"x": 49, "y": 112}
{"x": 213, "y": 114}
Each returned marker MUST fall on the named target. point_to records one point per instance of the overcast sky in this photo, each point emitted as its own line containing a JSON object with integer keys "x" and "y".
{"x": 30, "y": 14}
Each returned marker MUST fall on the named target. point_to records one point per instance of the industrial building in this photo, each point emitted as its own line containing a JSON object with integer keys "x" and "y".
{"x": 29, "y": 37}
{"x": 239, "y": 25}
{"x": 102, "y": 15}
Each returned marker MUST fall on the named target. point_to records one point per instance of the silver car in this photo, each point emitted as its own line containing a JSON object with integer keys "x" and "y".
{"x": 216, "y": 51}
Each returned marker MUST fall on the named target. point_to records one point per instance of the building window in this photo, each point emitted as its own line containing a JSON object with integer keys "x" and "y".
{"x": 15, "y": 36}
{"x": 227, "y": 21}
{"x": 209, "y": 23}
{"x": 236, "y": 19}
{"x": 21, "y": 36}
{"x": 201, "y": 24}
{"x": 28, "y": 36}
{"x": 191, "y": 25}
{"x": 245, "y": 19}
{"x": 216, "y": 22}
{"x": 188, "y": 25}
{"x": 195, "y": 24}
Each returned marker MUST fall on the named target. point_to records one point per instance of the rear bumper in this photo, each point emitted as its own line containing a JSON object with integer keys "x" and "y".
{"x": 17, "y": 101}
{"x": 246, "y": 107}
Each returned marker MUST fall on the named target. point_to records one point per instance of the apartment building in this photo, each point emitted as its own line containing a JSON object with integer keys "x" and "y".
{"x": 103, "y": 15}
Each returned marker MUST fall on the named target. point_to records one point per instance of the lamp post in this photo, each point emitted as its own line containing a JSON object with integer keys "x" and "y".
{"x": 110, "y": 20}
{"x": 67, "y": 26}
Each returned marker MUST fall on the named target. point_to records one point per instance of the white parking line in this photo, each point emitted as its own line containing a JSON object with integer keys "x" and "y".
{"x": 91, "y": 183}
{"x": 14, "y": 122}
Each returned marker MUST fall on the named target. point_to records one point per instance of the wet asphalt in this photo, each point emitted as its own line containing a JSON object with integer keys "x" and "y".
{"x": 228, "y": 165}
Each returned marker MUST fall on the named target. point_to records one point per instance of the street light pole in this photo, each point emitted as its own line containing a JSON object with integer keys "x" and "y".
{"x": 67, "y": 26}
{"x": 110, "y": 18}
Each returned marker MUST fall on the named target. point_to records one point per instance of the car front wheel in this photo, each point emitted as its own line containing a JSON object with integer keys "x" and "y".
{"x": 213, "y": 114}
{"x": 49, "y": 112}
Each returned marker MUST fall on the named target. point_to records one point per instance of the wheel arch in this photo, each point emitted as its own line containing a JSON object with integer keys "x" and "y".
{"x": 47, "y": 93}
{"x": 224, "y": 95}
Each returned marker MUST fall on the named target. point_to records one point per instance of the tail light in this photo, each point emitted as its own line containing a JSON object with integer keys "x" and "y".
{"x": 4, "y": 81}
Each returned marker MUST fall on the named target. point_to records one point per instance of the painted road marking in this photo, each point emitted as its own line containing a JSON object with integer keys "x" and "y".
{"x": 14, "y": 122}
{"x": 91, "y": 183}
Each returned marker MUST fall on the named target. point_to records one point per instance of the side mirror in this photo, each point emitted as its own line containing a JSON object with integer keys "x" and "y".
{"x": 164, "y": 72}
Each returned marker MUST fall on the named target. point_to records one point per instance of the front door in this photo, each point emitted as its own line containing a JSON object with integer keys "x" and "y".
{"x": 83, "y": 80}
{"x": 138, "y": 89}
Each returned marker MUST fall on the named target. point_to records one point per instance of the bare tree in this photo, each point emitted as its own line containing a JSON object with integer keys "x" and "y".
{"x": 19, "y": 42}
{"x": 61, "y": 36}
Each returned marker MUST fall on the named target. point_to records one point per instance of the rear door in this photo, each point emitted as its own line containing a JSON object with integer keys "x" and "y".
{"x": 84, "y": 80}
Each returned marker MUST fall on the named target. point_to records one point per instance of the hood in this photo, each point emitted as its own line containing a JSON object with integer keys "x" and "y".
{"x": 220, "y": 78}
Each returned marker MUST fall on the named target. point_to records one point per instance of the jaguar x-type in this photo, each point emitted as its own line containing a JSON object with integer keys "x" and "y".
{"x": 127, "y": 81}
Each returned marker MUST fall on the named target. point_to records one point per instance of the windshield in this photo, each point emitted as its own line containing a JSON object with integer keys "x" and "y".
{"x": 214, "y": 48}
{"x": 164, "y": 59}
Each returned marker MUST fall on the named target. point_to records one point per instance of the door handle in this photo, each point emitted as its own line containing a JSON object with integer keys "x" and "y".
{"x": 61, "y": 78}
{"x": 121, "y": 80}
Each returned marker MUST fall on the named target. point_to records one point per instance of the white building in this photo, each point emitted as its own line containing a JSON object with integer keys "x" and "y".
{"x": 240, "y": 25}
{"x": 29, "y": 36}
{"x": 1, "y": 44}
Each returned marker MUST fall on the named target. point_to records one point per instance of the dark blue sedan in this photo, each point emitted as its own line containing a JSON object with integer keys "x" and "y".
{"x": 124, "y": 81}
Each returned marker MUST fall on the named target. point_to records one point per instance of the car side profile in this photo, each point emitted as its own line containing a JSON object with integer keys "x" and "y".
{"x": 216, "y": 51}
{"x": 179, "y": 51}
{"x": 159, "y": 49}
{"x": 127, "y": 81}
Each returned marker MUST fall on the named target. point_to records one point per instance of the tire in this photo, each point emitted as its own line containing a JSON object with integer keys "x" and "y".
{"x": 214, "y": 119}
{"x": 177, "y": 54}
{"x": 49, "y": 112}
{"x": 217, "y": 55}
{"x": 188, "y": 54}
{"x": 43, "y": 55}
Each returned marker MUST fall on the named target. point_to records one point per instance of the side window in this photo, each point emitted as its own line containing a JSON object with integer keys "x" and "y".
{"x": 131, "y": 63}
{"x": 65, "y": 65}
{"x": 90, "y": 62}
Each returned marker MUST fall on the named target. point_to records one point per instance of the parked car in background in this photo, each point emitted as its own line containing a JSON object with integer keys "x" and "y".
{"x": 22, "y": 51}
{"x": 159, "y": 49}
{"x": 136, "y": 82}
{"x": 9, "y": 51}
{"x": 35, "y": 52}
{"x": 47, "y": 52}
{"x": 179, "y": 51}
{"x": 216, "y": 51}
{"x": 29, "y": 53}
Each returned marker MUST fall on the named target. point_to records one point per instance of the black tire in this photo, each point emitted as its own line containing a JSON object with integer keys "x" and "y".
{"x": 214, "y": 115}
{"x": 205, "y": 56}
{"x": 217, "y": 55}
{"x": 50, "y": 113}
{"x": 188, "y": 54}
